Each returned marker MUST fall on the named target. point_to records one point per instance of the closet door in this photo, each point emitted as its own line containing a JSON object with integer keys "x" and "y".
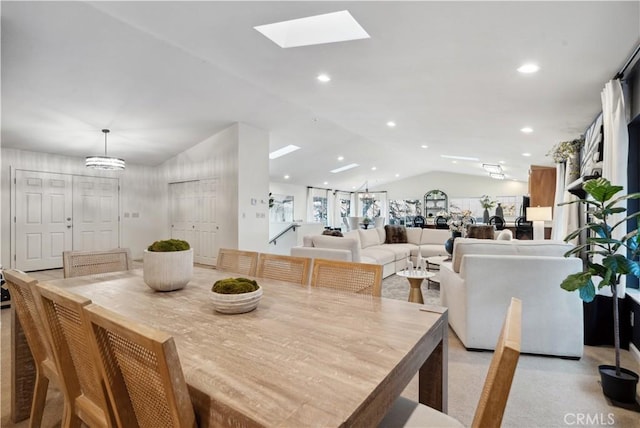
{"x": 42, "y": 219}
{"x": 95, "y": 213}
{"x": 193, "y": 217}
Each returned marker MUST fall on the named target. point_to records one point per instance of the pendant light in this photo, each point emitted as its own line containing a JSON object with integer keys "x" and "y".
{"x": 105, "y": 162}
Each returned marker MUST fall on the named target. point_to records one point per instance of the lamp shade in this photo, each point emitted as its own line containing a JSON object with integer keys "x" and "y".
{"x": 539, "y": 214}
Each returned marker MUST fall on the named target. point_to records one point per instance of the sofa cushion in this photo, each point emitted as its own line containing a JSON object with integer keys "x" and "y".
{"x": 380, "y": 254}
{"x": 369, "y": 237}
{"x": 395, "y": 234}
{"x": 435, "y": 236}
{"x": 414, "y": 234}
{"x": 323, "y": 241}
{"x": 464, "y": 246}
{"x": 401, "y": 251}
{"x": 352, "y": 234}
{"x": 505, "y": 235}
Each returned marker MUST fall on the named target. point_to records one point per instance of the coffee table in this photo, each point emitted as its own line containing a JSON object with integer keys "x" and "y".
{"x": 415, "y": 277}
{"x": 433, "y": 264}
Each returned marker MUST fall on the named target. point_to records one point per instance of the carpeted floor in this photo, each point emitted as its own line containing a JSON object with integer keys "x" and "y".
{"x": 546, "y": 392}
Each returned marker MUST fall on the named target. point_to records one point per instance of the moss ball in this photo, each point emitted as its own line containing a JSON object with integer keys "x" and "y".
{"x": 169, "y": 245}
{"x": 234, "y": 286}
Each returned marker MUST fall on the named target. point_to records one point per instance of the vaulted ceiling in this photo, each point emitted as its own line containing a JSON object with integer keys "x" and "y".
{"x": 164, "y": 76}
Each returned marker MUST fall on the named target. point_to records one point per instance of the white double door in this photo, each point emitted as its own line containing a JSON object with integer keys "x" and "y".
{"x": 193, "y": 217}
{"x": 59, "y": 212}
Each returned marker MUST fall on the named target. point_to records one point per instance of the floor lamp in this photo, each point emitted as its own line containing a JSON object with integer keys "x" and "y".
{"x": 538, "y": 215}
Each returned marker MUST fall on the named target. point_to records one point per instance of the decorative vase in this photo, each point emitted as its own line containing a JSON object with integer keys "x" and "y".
{"x": 499, "y": 211}
{"x": 618, "y": 388}
{"x": 485, "y": 216}
{"x": 572, "y": 166}
{"x": 448, "y": 245}
{"x": 167, "y": 271}
{"x": 236, "y": 303}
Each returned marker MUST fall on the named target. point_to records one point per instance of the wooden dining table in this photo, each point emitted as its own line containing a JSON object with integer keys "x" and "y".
{"x": 307, "y": 356}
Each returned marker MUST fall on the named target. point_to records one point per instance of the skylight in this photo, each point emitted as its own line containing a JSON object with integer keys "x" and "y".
{"x": 344, "y": 168}
{"x": 467, "y": 158}
{"x": 314, "y": 30}
{"x": 283, "y": 151}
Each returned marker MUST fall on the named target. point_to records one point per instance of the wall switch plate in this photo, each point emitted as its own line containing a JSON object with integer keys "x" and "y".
{"x": 127, "y": 215}
{"x": 135, "y": 215}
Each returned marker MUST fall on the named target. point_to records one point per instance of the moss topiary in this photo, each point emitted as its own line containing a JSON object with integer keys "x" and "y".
{"x": 169, "y": 245}
{"x": 234, "y": 286}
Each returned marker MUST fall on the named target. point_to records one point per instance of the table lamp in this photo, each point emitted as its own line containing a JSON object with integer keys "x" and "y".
{"x": 538, "y": 215}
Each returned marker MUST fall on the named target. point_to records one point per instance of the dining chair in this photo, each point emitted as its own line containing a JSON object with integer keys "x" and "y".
{"x": 21, "y": 288}
{"x": 141, "y": 370}
{"x": 80, "y": 263}
{"x": 67, "y": 330}
{"x": 284, "y": 268}
{"x": 361, "y": 278}
{"x": 495, "y": 392}
{"x": 242, "y": 262}
{"x": 496, "y": 221}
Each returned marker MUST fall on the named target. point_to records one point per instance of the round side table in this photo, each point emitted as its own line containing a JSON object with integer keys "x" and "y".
{"x": 415, "y": 277}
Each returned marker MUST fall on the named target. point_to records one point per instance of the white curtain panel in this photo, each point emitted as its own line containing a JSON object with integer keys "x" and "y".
{"x": 616, "y": 148}
{"x": 565, "y": 218}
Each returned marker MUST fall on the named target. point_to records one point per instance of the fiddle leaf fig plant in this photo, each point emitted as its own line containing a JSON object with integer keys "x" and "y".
{"x": 608, "y": 257}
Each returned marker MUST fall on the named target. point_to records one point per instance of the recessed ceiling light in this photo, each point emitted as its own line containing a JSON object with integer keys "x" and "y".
{"x": 467, "y": 158}
{"x": 502, "y": 162}
{"x": 286, "y": 177}
{"x": 391, "y": 124}
{"x": 373, "y": 168}
{"x": 454, "y": 161}
{"x": 344, "y": 168}
{"x": 283, "y": 151}
{"x": 526, "y": 154}
{"x": 424, "y": 146}
{"x": 325, "y": 183}
{"x": 324, "y": 78}
{"x": 528, "y": 68}
{"x": 314, "y": 30}
{"x": 527, "y": 130}
{"x": 340, "y": 158}
{"x": 397, "y": 175}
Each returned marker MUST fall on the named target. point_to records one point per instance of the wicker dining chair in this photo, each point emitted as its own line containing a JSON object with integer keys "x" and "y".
{"x": 237, "y": 261}
{"x": 495, "y": 392}
{"x": 67, "y": 329}
{"x": 284, "y": 268}
{"x": 141, "y": 370}
{"x": 21, "y": 288}
{"x": 80, "y": 263}
{"x": 361, "y": 278}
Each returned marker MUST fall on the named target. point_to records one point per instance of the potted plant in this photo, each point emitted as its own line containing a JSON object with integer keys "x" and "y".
{"x": 168, "y": 264}
{"x": 487, "y": 204}
{"x": 366, "y": 222}
{"x": 568, "y": 151}
{"x": 613, "y": 258}
{"x": 236, "y": 295}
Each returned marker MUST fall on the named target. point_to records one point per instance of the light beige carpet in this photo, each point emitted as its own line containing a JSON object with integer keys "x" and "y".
{"x": 546, "y": 392}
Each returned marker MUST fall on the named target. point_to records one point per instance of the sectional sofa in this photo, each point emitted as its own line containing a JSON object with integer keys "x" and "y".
{"x": 484, "y": 275}
{"x": 389, "y": 246}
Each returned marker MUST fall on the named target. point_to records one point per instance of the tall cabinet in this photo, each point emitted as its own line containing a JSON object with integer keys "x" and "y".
{"x": 435, "y": 201}
{"x": 542, "y": 186}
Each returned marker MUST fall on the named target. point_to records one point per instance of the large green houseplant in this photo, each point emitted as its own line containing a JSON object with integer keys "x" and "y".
{"x": 609, "y": 259}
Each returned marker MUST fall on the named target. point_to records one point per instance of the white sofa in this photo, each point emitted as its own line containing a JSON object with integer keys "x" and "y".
{"x": 483, "y": 276}
{"x": 368, "y": 246}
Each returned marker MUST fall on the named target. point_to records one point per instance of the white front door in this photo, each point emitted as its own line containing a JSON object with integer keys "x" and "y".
{"x": 95, "y": 213}
{"x": 43, "y": 221}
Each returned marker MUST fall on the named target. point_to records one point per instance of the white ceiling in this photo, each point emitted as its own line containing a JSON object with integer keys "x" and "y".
{"x": 164, "y": 76}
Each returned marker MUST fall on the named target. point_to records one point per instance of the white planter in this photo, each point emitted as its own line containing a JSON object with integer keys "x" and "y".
{"x": 236, "y": 303}
{"x": 167, "y": 271}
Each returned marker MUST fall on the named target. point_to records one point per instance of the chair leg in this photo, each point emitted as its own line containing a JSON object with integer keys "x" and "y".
{"x": 39, "y": 400}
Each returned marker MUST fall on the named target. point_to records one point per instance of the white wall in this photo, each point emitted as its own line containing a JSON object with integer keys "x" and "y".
{"x": 299, "y": 194}
{"x": 139, "y": 192}
{"x": 454, "y": 185}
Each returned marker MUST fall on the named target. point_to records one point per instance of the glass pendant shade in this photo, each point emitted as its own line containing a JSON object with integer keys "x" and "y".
{"x": 105, "y": 162}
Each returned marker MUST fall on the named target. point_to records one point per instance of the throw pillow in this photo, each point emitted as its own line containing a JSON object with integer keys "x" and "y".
{"x": 395, "y": 234}
{"x": 332, "y": 233}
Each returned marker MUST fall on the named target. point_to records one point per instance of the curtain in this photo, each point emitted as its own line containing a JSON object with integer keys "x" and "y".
{"x": 566, "y": 217}
{"x": 616, "y": 149}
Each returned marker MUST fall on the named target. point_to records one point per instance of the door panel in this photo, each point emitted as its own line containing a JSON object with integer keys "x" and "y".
{"x": 95, "y": 213}
{"x": 43, "y": 205}
{"x": 208, "y": 244}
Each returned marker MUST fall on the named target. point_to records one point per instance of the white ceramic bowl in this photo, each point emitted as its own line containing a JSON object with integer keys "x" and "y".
{"x": 236, "y": 303}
